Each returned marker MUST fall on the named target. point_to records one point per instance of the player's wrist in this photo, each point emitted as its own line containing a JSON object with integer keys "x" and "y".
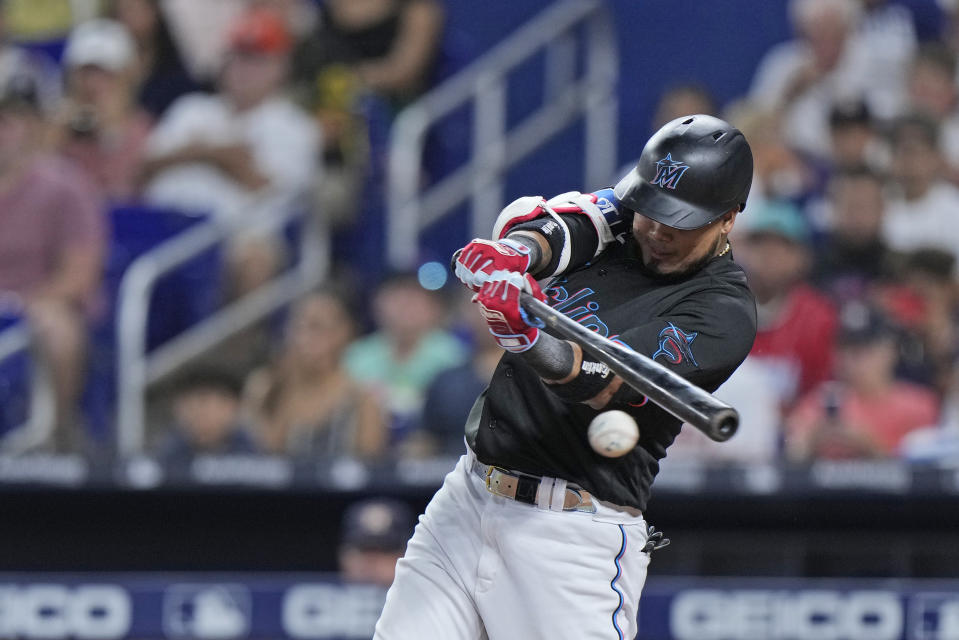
{"x": 526, "y": 259}
{"x": 537, "y": 246}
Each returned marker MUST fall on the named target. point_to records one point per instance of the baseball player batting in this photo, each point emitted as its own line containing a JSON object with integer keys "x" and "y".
{"x": 535, "y": 534}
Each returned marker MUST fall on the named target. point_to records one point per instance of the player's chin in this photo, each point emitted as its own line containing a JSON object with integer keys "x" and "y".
{"x": 661, "y": 267}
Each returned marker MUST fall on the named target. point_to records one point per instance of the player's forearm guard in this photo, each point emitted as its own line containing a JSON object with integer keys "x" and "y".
{"x": 574, "y": 224}
{"x": 564, "y": 254}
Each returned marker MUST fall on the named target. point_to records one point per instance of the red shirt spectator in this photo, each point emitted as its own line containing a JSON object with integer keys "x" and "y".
{"x": 796, "y": 323}
{"x": 886, "y": 420}
{"x": 51, "y": 250}
{"x": 49, "y": 211}
{"x": 867, "y": 412}
{"x": 802, "y": 337}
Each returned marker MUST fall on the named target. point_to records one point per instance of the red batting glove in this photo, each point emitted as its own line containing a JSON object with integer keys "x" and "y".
{"x": 480, "y": 258}
{"x": 499, "y": 303}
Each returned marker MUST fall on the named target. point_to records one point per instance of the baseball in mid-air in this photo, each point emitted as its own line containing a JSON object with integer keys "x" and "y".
{"x": 613, "y": 433}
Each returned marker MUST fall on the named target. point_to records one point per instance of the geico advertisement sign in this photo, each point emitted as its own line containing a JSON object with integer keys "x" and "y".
{"x": 783, "y": 615}
{"x": 332, "y": 611}
{"x": 99, "y": 612}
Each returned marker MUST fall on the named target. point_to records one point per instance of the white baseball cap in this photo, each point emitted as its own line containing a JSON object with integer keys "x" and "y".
{"x": 102, "y": 43}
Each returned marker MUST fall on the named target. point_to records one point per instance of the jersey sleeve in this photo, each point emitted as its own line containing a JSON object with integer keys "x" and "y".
{"x": 704, "y": 338}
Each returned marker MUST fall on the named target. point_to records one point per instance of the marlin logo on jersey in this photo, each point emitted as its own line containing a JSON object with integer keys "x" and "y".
{"x": 669, "y": 172}
{"x": 676, "y": 345}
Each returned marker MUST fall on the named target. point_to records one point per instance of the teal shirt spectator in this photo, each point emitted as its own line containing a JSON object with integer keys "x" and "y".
{"x": 402, "y": 384}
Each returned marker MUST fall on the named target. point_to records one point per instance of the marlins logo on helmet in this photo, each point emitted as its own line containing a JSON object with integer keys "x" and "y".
{"x": 669, "y": 172}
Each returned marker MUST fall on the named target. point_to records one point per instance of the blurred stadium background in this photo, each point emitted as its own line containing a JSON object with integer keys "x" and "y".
{"x": 232, "y": 368}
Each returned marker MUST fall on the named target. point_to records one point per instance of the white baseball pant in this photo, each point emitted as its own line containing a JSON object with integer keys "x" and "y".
{"x": 480, "y": 566}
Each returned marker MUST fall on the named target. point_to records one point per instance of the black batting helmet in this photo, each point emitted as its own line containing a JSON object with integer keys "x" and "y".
{"x": 692, "y": 171}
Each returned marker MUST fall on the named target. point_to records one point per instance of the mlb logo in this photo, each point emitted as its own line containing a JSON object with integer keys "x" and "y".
{"x": 206, "y": 612}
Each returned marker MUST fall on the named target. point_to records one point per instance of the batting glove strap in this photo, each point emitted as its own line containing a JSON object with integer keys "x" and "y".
{"x": 517, "y": 343}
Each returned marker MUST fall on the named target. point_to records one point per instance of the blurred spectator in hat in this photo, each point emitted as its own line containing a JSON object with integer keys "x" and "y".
{"x": 305, "y": 404}
{"x": 796, "y": 322}
{"x": 374, "y": 534}
{"x": 928, "y": 285}
{"x": 853, "y": 257}
{"x": 409, "y": 347}
{"x": 933, "y": 93}
{"x": 865, "y": 412}
{"x": 160, "y": 71}
{"x": 856, "y": 141}
{"x": 19, "y": 61}
{"x": 805, "y": 76}
{"x": 99, "y": 124}
{"x": 922, "y": 210}
{"x": 206, "y": 418}
{"x": 930, "y": 276}
{"x": 788, "y": 354}
{"x": 241, "y": 154}
{"x": 855, "y": 138}
{"x": 52, "y": 247}
{"x": 215, "y": 152}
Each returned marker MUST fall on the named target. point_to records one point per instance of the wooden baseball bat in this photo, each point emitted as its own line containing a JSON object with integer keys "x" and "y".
{"x": 662, "y": 386}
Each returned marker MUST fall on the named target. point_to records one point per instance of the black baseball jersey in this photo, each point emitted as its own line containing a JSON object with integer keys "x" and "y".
{"x": 702, "y": 326}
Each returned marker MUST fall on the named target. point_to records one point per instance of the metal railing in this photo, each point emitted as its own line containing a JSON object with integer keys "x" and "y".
{"x": 137, "y": 369}
{"x": 495, "y": 148}
{"x": 38, "y": 428}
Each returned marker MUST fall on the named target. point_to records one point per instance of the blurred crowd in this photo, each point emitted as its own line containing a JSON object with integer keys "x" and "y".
{"x": 229, "y": 111}
{"x": 848, "y": 240}
{"x": 235, "y": 109}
